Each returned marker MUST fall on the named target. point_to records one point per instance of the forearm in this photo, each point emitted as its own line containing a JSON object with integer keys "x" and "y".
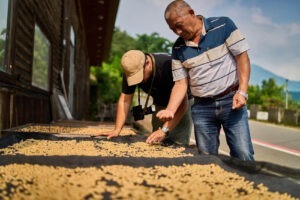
{"x": 160, "y": 135}
{"x": 243, "y": 66}
{"x": 178, "y": 115}
{"x": 122, "y": 111}
{"x": 178, "y": 94}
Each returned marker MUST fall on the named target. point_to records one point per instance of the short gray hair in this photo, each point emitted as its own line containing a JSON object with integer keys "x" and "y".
{"x": 179, "y": 6}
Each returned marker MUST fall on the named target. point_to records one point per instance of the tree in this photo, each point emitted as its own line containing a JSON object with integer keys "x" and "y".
{"x": 109, "y": 80}
{"x": 153, "y": 43}
{"x": 40, "y": 67}
{"x": 2, "y": 48}
{"x": 271, "y": 94}
{"x": 121, "y": 43}
{"x": 254, "y": 93}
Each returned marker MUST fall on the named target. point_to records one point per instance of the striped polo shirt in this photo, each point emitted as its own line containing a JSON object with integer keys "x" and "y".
{"x": 210, "y": 65}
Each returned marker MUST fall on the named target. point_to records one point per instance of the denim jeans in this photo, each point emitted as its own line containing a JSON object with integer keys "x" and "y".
{"x": 209, "y": 115}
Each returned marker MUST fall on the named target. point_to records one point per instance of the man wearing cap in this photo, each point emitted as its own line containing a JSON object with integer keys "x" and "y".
{"x": 140, "y": 70}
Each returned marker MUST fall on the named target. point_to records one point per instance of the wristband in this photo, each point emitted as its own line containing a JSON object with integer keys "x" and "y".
{"x": 165, "y": 130}
{"x": 243, "y": 94}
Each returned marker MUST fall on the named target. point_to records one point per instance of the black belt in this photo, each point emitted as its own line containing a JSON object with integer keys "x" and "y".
{"x": 232, "y": 88}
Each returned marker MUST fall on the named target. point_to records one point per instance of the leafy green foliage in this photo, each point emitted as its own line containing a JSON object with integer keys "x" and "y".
{"x": 270, "y": 95}
{"x": 153, "y": 43}
{"x": 2, "y": 48}
{"x": 109, "y": 80}
{"x": 254, "y": 93}
{"x": 40, "y": 68}
{"x": 3, "y": 32}
{"x": 121, "y": 43}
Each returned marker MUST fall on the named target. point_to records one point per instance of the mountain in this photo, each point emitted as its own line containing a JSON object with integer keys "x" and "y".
{"x": 258, "y": 74}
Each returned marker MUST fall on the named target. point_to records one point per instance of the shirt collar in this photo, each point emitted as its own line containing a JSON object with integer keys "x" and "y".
{"x": 203, "y": 24}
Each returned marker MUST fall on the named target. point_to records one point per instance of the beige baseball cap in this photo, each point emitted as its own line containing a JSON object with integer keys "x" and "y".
{"x": 133, "y": 62}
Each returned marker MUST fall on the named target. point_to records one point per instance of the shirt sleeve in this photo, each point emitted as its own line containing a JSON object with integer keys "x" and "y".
{"x": 235, "y": 40}
{"x": 178, "y": 70}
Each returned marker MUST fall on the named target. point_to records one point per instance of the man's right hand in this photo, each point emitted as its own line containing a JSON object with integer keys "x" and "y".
{"x": 110, "y": 134}
{"x": 165, "y": 115}
{"x": 178, "y": 93}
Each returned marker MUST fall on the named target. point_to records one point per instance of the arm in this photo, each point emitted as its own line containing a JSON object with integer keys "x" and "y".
{"x": 159, "y": 135}
{"x": 178, "y": 93}
{"x": 243, "y": 68}
{"x": 178, "y": 115}
{"x": 124, "y": 103}
{"x": 177, "y": 104}
{"x": 122, "y": 110}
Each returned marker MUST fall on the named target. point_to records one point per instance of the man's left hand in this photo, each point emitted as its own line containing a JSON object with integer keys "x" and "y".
{"x": 238, "y": 101}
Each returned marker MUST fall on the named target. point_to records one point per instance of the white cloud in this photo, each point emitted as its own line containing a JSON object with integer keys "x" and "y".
{"x": 293, "y": 29}
{"x": 160, "y": 3}
{"x": 258, "y": 17}
{"x": 199, "y": 6}
{"x": 266, "y": 33}
{"x": 274, "y": 45}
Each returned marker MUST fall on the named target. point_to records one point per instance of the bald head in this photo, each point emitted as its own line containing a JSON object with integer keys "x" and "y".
{"x": 178, "y": 7}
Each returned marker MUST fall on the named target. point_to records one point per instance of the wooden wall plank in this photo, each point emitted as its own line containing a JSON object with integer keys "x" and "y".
{"x": 29, "y": 104}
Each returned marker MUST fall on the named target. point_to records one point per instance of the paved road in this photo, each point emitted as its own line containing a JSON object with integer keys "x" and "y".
{"x": 273, "y": 143}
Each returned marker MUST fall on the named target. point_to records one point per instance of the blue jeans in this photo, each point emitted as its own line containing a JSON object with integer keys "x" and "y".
{"x": 210, "y": 114}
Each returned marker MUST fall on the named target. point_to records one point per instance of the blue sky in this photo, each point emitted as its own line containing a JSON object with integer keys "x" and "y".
{"x": 272, "y": 27}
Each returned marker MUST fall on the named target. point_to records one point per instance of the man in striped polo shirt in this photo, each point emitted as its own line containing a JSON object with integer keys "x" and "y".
{"x": 210, "y": 56}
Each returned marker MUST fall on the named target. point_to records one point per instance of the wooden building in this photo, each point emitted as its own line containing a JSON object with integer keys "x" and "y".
{"x": 46, "y": 49}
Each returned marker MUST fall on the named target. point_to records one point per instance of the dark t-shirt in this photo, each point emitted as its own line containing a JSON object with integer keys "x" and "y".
{"x": 163, "y": 81}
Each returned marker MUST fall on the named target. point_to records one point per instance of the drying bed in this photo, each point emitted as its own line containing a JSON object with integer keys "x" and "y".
{"x": 65, "y": 162}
